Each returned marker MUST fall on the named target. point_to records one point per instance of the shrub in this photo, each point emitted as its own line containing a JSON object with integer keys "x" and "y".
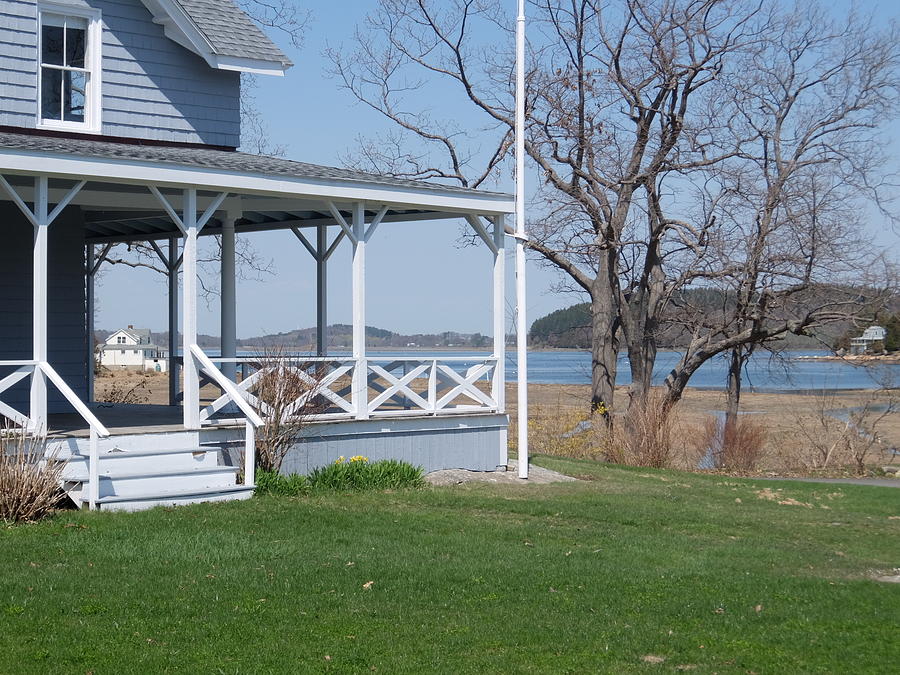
{"x": 735, "y": 447}
{"x": 357, "y": 474}
{"x": 291, "y": 397}
{"x": 29, "y": 483}
{"x": 643, "y": 436}
{"x": 271, "y": 483}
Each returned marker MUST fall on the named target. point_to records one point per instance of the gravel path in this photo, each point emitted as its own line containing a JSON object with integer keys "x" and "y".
{"x": 536, "y": 475}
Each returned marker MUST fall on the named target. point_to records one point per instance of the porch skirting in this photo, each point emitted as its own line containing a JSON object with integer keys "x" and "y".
{"x": 474, "y": 441}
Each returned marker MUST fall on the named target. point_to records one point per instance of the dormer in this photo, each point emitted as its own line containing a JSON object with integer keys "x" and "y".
{"x": 153, "y": 70}
{"x": 220, "y": 33}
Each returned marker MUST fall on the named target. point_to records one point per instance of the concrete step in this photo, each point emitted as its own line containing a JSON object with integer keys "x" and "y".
{"x": 149, "y": 500}
{"x": 145, "y": 460}
{"x": 125, "y": 483}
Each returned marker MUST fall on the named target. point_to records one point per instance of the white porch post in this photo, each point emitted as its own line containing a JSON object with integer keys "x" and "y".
{"x": 360, "y": 373}
{"x": 499, "y": 384}
{"x": 228, "y": 298}
{"x": 174, "y": 369}
{"x": 39, "y": 304}
{"x": 521, "y": 323}
{"x": 191, "y": 401}
{"x": 321, "y": 290}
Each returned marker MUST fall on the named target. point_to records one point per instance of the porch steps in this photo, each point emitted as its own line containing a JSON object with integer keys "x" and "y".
{"x": 149, "y": 500}
{"x": 133, "y": 480}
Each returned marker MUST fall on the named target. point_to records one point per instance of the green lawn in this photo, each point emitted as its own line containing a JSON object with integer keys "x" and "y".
{"x": 586, "y": 577}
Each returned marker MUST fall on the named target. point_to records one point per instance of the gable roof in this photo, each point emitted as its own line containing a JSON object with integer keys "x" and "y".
{"x": 220, "y": 32}
{"x": 137, "y": 334}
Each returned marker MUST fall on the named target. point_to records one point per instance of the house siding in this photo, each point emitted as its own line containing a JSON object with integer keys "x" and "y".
{"x": 67, "y": 331}
{"x": 153, "y": 88}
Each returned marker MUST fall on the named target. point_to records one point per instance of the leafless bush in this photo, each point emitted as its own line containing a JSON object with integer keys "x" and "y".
{"x": 29, "y": 482}
{"x": 645, "y": 437}
{"x": 836, "y": 439}
{"x": 865, "y": 437}
{"x": 290, "y": 396}
{"x": 735, "y": 447}
{"x": 125, "y": 391}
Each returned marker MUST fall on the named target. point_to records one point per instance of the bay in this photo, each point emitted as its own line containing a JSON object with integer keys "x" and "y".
{"x": 793, "y": 371}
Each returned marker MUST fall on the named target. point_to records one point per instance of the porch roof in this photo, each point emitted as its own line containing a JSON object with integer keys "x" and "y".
{"x": 270, "y": 192}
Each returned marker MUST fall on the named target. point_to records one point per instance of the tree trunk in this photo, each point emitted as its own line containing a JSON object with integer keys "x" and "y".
{"x": 733, "y": 386}
{"x": 604, "y": 341}
{"x": 641, "y": 359}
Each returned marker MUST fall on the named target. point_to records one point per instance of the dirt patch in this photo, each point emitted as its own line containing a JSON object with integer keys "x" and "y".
{"x": 537, "y": 475}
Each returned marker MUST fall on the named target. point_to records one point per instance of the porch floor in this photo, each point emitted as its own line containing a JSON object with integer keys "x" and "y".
{"x": 120, "y": 419}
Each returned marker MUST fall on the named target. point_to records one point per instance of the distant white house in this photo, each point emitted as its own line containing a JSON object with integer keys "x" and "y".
{"x": 133, "y": 349}
{"x": 871, "y": 335}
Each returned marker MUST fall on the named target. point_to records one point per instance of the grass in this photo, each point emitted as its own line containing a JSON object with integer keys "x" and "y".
{"x": 579, "y": 577}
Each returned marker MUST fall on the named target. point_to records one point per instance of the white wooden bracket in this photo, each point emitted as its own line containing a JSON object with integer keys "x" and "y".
{"x": 32, "y": 216}
{"x": 178, "y": 220}
{"x": 339, "y": 219}
{"x": 481, "y": 231}
{"x": 348, "y": 230}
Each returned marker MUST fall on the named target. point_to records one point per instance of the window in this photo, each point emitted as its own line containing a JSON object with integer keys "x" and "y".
{"x": 69, "y": 69}
{"x": 120, "y": 340}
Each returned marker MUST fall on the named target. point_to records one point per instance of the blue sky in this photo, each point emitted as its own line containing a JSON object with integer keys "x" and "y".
{"x": 418, "y": 277}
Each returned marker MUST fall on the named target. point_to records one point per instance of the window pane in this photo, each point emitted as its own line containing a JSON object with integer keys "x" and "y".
{"x": 76, "y": 86}
{"x": 52, "y": 45}
{"x": 51, "y": 88}
{"x": 76, "y": 39}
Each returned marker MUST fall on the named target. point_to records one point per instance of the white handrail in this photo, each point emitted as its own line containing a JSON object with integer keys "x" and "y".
{"x": 253, "y": 421}
{"x": 97, "y": 430}
{"x": 73, "y": 399}
{"x": 226, "y": 385}
{"x": 339, "y": 358}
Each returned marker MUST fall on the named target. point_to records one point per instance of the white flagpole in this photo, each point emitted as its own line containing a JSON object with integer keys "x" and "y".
{"x": 521, "y": 325}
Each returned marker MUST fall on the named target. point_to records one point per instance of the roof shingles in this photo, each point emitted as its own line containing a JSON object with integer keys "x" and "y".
{"x": 238, "y": 162}
{"x": 230, "y": 31}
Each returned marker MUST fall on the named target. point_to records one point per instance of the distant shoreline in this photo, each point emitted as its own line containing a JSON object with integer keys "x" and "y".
{"x": 855, "y": 359}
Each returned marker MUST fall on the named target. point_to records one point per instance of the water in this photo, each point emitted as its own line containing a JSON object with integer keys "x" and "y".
{"x": 763, "y": 373}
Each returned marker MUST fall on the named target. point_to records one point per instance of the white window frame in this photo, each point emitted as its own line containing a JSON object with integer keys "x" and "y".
{"x": 92, "y": 61}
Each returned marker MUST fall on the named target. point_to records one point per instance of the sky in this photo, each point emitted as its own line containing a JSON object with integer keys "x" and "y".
{"x": 419, "y": 277}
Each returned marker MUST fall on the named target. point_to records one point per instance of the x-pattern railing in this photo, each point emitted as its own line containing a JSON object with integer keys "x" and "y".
{"x": 394, "y": 386}
{"x": 318, "y": 375}
{"x": 431, "y": 385}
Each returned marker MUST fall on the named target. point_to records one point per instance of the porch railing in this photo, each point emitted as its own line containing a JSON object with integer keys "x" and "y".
{"x": 26, "y": 369}
{"x": 252, "y": 420}
{"x": 393, "y": 386}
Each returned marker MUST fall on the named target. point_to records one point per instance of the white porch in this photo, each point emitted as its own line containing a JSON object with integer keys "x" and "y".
{"x": 170, "y": 198}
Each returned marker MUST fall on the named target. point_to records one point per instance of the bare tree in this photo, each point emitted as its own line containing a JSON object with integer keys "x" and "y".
{"x": 612, "y": 95}
{"x": 791, "y": 251}
{"x": 680, "y": 143}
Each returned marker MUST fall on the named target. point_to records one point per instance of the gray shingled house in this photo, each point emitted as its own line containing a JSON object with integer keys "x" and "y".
{"x": 119, "y": 122}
